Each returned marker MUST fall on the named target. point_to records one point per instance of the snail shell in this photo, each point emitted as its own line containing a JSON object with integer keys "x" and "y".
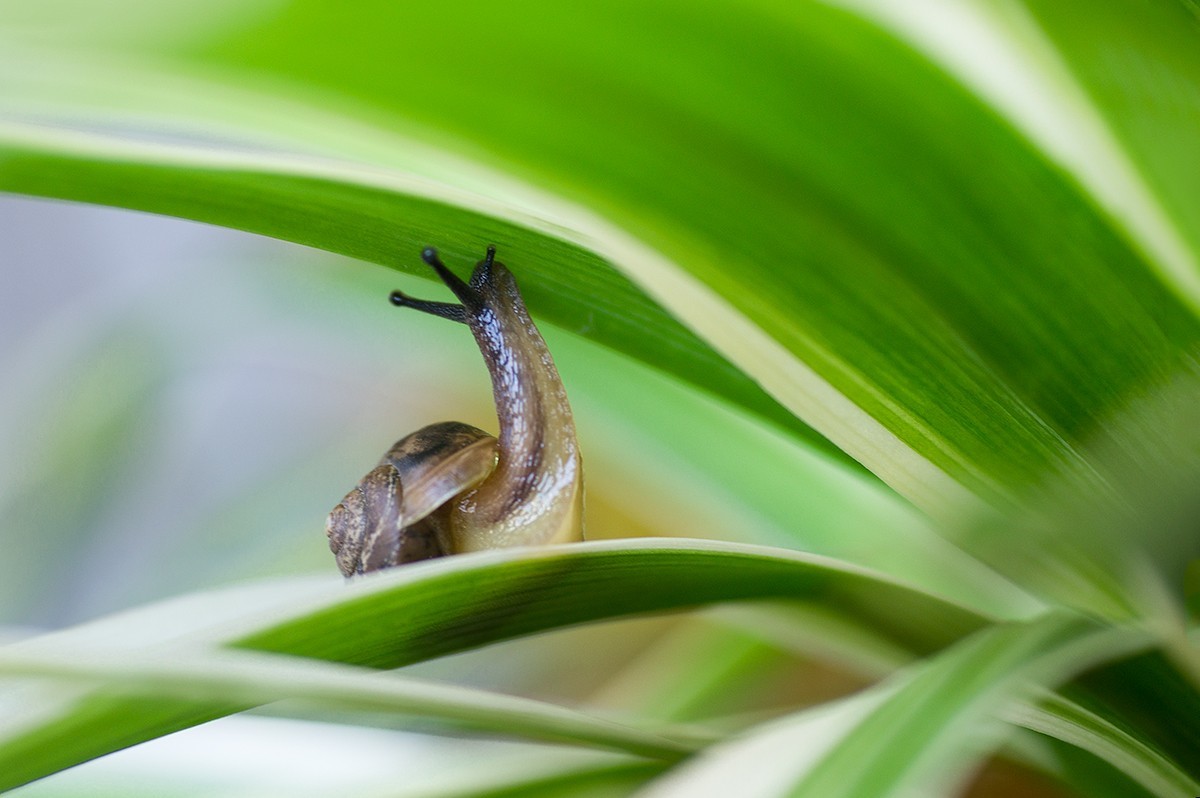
{"x": 398, "y": 513}
{"x": 450, "y": 487}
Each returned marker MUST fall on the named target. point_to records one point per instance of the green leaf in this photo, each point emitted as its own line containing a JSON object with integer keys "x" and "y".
{"x": 1144, "y": 81}
{"x": 847, "y": 223}
{"x": 918, "y": 732}
{"x": 1119, "y": 552}
{"x": 547, "y": 773}
{"x": 387, "y": 622}
{"x": 556, "y": 777}
{"x": 250, "y": 679}
{"x": 421, "y": 611}
{"x": 812, "y": 631}
{"x": 1062, "y": 719}
{"x": 1152, "y": 700}
{"x": 382, "y": 215}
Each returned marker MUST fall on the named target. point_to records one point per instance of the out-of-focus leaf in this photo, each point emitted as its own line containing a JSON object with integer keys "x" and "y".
{"x": 250, "y": 679}
{"x": 1065, "y": 720}
{"x": 71, "y": 454}
{"x": 1144, "y": 80}
{"x": 918, "y": 732}
{"x": 1120, "y": 553}
{"x": 426, "y": 610}
{"x": 1151, "y": 699}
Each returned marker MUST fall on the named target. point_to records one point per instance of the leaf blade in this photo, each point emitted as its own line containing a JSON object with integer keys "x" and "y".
{"x": 450, "y": 605}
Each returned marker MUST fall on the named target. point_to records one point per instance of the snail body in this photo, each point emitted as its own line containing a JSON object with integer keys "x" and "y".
{"x": 451, "y": 488}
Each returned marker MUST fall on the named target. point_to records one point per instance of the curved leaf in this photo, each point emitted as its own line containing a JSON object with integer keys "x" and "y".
{"x": 382, "y": 216}
{"x": 426, "y": 610}
{"x": 848, "y": 224}
{"x": 1066, "y": 720}
{"x": 230, "y": 678}
{"x": 1144, "y": 81}
{"x": 916, "y": 733}
{"x": 831, "y": 188}
{"x": 463, "y": 603}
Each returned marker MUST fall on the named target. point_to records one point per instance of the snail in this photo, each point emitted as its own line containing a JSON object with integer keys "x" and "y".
{"x": 450, "y": 487}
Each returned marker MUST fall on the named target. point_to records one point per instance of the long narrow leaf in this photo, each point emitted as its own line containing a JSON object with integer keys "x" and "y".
{"x": 919, "y": 731}
{"x": 231, "y": 677}
{"x": 1062, "y": 719}
{"x": 423, "y": 611}
{"x": 840, "y": 257}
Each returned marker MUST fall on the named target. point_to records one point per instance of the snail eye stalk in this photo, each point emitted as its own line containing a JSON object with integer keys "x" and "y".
{"x": 465, "y": 293}
{"x": 445, "y": 310}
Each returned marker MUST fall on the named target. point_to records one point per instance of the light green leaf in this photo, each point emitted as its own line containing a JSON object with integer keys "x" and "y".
{"x": 371, "y": 210}
{"x": 1121, "y": 553}
{"x": 918, "y": 732}
{"x": 426, "y": 610}
{"x": 816, "y": 213}
{"x": 1143, "y": 80}
{"x": 1055, "y": 74}
{"x": 250, "y": 679}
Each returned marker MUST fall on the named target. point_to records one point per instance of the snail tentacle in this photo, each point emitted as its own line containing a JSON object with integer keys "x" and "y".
{"x": 445, "y": 310}
{"x": 465, "y": 293}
